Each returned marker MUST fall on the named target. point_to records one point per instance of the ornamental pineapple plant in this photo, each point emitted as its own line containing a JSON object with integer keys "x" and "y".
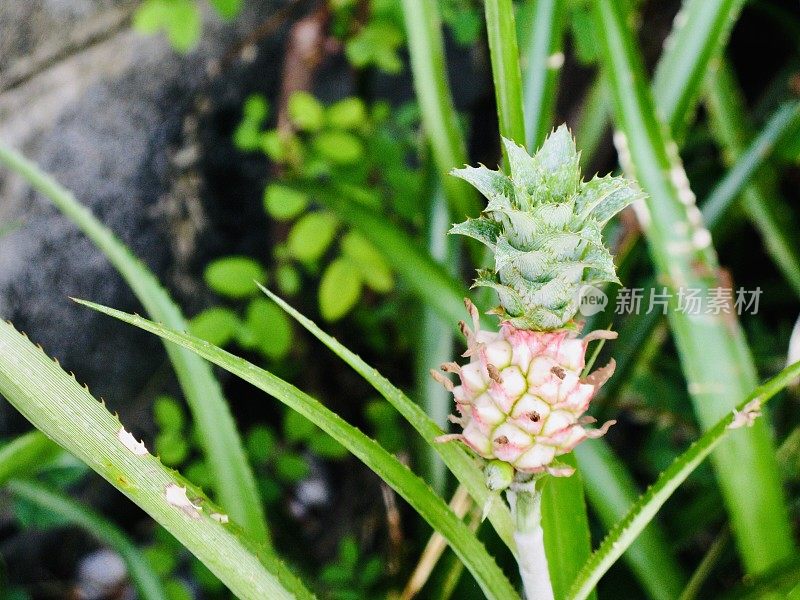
{"x": 522, "y": 398}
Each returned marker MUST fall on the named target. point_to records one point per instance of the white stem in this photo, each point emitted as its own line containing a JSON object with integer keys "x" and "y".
{"x": 526, "y": 509}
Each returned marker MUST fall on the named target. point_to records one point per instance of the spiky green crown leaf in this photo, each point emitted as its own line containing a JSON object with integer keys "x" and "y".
{"x": 544, "y": 224}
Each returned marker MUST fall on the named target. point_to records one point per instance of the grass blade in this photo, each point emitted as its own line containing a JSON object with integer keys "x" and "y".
{"x": 645, "y": 509}
{"x": 715, "y": 357}
{"x": 462, "y": 465}
{"x": 62, "y": 409}
{"x": 544, "y": 30}
{"x": 700, "y": 31}
{"x": 761, "y": 199}
{"x": 502, "y": 33}
{"x": 413, "y": 489}
{"x": 235, "y": 485}
{"x": 748, "y": 161}
{"x": 609, "y": 491}
{"x": 147, "y": 583}
{"x": 23, "y": 454}
{"x": 439, "y": 117}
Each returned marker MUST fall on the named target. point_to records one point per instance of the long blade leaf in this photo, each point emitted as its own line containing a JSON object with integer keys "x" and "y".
{"x": 413, "y": 489}
{"x": 462, "y": 465}
{"x": 646, "y": 507}
{"x": 66, "y": 412}
{"x": 147, "y": 582}
{"x": 715, "y": 358}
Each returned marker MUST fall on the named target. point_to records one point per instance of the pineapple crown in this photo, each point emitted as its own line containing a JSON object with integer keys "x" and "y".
{"x": 544, "y": 225}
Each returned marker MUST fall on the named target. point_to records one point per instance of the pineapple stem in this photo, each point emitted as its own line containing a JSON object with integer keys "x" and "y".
{"x": 526, "y": 510}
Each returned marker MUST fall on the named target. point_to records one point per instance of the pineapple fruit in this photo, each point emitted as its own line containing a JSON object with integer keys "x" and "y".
{"x": 521, "y": 397}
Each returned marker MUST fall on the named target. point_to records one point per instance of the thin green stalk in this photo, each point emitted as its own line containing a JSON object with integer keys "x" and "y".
{"x": 593, "y": 118}
{"x": 715, "y": 357}
{"x": 747, "y": 160}
{"x": 706, "y": 566}
{"x": 733, "y": 424}
{"x": 543, "y": 58}
{"x": 147, "y": 583}
{"x": 65, "y": 411}
{"x": 25, "y": 453}
{"x": 437, "y": 345}
{"x": 439, "y": 118}
{"x": 385, "y": 465}
{"x": 502, "y": 33}
{"x": 761, "y": 199}
{"x": 235, "y": 484}
{"x": 526, "y": 507}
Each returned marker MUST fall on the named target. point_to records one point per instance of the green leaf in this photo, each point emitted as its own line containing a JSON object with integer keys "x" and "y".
{"x": 325, "y": 446}
{"x": 261, "y": 443}
{"x": 172, "y": 448}
{"x": 177, "y": 590}
{"x": 648, "y": 505}
{"x": 227, "y": 9}
{"x": 311, "y": 236}
{"x": 49, "y": 398}
{"x": 288, "y": 280}
{"x": 338, "y": 147}
{"x": 410, "y": 487}
{"x": 234, "y": 276}
{"x": 218, "y": 325}
{"x": 349, "y": 113}
{"x": 271, "y": 328}
{"x": 296, "y": 428}
{"x": 142, "y": 575}
{"x": 179, "y": 18}
{"x": 305, "y": 111}
{"x": 283, "y": 203}
{"x": 373, "y": 267}
{"x": 291, "y": 467}
{"x": 376, "y": 44}
{"x": 339, "y": 289}
{"x": 715, "y": 358}
{"x": 168, "y": 414}
{"x": 233, "y": 478}
{"x": 26, "y": 454}
{"x": 454, "y": 456}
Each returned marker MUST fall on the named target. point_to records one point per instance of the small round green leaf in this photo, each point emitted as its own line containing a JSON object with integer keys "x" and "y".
{"x": 288, "y": 280}
{"x": 216, "y": 325}
{"x": 234, "y": 276}
{"x": 305, "y": 111}
{"x": 311, "y": 236}
{"x": 339, "y": 147}
{"x": 339, "y": 289}
{"x": 349, "y": 113}
{"x": 172, "y": 448}
{"x": 282, "y": 202}
{"x": 168, "y": 414}
{"x": 296, "y": 428}
{"x": 325, "y": 446}
{"x": 373, "y": 267}
{"x": 260, "y": 443}
{"x": 271, "y": 328}
{"x": 291, "y": 467}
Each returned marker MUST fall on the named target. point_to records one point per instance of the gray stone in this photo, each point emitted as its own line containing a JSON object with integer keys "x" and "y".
{"x": 112, "y": 115}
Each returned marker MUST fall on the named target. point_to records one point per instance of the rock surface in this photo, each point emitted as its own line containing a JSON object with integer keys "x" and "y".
{"x": 113, "y": 116}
